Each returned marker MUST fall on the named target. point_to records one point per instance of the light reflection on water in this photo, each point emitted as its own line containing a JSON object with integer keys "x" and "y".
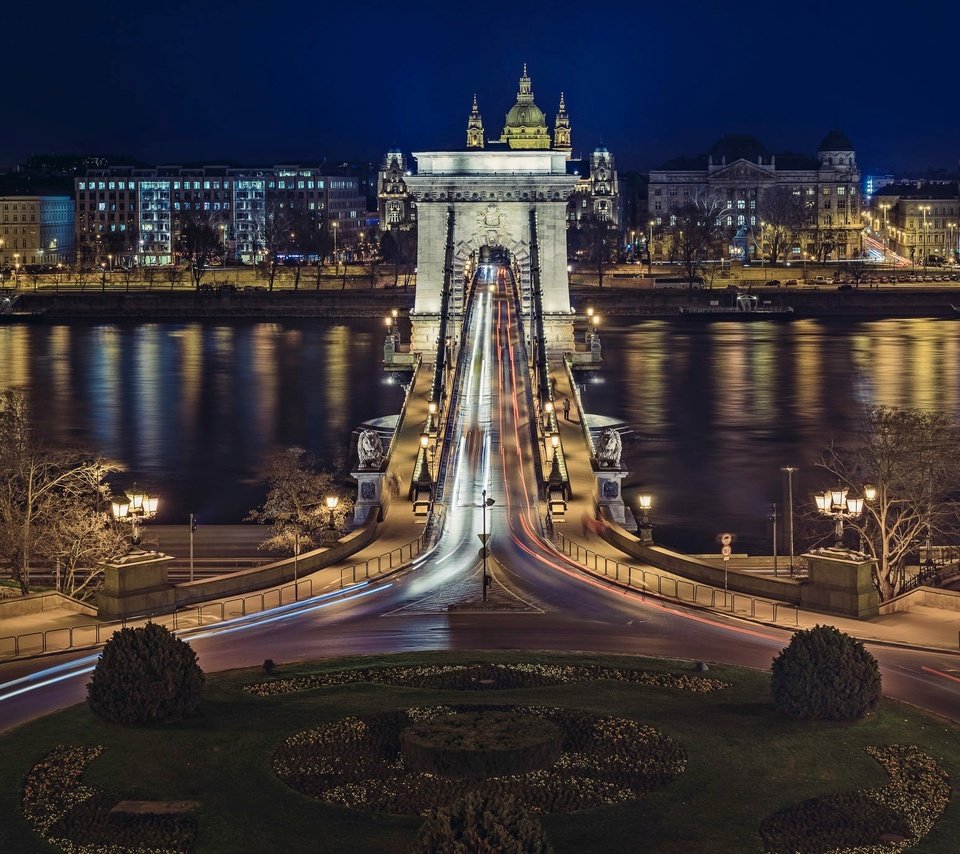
{"x": 719, "y": 408}
{"x": 192, "y": 408}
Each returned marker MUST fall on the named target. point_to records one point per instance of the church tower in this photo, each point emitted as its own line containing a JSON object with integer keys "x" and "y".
{"x": 561, "y": 130}
{"x": 526, "y": 126}
{"x": 475, "y": 127}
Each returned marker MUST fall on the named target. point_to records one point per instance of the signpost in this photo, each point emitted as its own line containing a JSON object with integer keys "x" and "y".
{"x": 725, "y": 550}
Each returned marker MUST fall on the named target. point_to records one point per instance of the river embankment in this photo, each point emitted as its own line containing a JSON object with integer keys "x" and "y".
{"x": 617, "y": 300}
{"x": 193, "y": 305}
{"x": 896, "y": 301}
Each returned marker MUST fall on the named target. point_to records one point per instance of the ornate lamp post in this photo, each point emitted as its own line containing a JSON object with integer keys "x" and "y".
{"x": 646, "y": 529}
{"x": 835, "y": 504}
{"x": 136, "y": 509}
{"x": 332, "y": 501}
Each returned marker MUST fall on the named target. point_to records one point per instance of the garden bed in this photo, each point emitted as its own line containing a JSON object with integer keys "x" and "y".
{"x": 740, "y": 776}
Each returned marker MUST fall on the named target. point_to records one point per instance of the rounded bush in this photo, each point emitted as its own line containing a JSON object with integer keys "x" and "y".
{"x": 145, "y": 675}
{"x": 825, "y": 674}
{"x": 482, "y": 824}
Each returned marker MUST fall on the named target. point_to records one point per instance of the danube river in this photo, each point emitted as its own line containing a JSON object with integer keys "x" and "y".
{"x": 715, "y": 408}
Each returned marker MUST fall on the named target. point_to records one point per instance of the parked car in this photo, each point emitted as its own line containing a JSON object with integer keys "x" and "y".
{"x": 791, "y": 282}
{"x": 823, "y": 280}
{"x": 227, "y": 290}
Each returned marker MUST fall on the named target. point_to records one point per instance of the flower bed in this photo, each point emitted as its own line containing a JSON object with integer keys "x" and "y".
{"x": 358, "y": 762}
{"x": 873, "y": 821}
{"x": 77, "y": 819}
{"x": 484, "y": 677}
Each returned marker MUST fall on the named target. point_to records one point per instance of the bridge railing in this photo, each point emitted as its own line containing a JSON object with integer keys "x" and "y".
{"x": 649, "y": 580}
{"x": 65, "y": 638}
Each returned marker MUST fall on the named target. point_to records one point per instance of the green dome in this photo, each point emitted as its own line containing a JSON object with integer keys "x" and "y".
{"x": 526, "y": 116}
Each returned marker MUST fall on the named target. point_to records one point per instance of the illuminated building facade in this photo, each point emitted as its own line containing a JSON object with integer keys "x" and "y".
{"x": 744, "y": 178}
{"x": 919, "y": 221}
{"x": 134, "y": 214}
{"x": 36, "y": 230}
{"x": 393, "y": 198}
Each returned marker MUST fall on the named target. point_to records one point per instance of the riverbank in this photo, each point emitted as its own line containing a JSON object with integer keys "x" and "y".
{"x": 625, "y": 300}
{"x": 828, "y": 301}
{"x": 182, "y": 305}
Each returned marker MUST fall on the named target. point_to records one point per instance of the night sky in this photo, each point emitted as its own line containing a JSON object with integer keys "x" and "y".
{"x": 281, "y": 81}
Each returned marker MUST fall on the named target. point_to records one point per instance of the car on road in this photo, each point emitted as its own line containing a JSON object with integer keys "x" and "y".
{"x": 773, "y": 283}
{"x": 791, "y": 283}
{"x": 846, "y": 286}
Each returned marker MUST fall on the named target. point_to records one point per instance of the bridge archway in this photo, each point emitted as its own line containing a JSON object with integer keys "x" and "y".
{"x": 491, "y": 195}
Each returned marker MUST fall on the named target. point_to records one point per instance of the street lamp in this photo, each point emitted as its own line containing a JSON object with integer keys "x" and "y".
{"x": 487, "y": 502}
{"x": 429, "y": 445}
{"x": 547, "y": 412}
{"x": 136, "y": 509}
{"x": 790, "y": 470}
{"x": 646, "y": 529}
{"x": 835, "y": 504}
{"x": 331, "y": 501}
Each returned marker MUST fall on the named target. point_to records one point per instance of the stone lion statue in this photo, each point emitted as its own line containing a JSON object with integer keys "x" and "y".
{"x": 609, "y": 448}
{"x": 370, "y": 449}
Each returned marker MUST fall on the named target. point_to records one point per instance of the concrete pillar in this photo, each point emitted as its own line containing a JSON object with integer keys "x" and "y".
{"x": 840, "y": 582}
{"x": 135, "y": 585}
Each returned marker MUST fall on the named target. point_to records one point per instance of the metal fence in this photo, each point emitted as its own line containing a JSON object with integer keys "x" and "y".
{"x": 66, "y": 638}
{"x": 648, "y": 580}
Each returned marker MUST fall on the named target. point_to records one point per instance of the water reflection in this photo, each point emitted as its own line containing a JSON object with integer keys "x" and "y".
{"x": 718, "y": 408}
{"x": 191, "y": 409}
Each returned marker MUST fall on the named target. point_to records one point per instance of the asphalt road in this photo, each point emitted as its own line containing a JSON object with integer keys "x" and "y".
{"x": 538, "y": 600}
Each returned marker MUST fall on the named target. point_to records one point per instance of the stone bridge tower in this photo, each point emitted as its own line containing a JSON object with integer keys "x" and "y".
{"x": 492, "y": 192}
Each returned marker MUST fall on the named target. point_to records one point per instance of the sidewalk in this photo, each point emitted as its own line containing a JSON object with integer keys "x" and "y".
{"x": 920, "y": 627}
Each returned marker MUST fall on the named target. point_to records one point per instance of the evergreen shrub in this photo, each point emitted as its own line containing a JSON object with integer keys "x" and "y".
{"x": 145, "y": 675}
{"x": 825, "y": 674}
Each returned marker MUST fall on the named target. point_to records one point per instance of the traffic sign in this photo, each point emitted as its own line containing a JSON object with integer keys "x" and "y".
{"x": 484, "y": 538}
{"x": 484, "y": 551}
{"x": 725, "y": 551}
{"x": 726, "y": 539}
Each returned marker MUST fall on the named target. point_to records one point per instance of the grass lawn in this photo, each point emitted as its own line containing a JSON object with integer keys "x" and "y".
{"x": 745, "y": 760}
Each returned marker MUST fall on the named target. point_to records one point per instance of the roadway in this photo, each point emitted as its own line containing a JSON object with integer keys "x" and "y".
{"x": 538, "y": 599}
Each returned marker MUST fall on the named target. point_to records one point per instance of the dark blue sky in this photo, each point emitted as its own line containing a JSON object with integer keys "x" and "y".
{"x": 278, "y": 81}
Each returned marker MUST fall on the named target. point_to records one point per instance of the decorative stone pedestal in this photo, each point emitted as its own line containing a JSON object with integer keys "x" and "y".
{"x": 369, "y": 495}
{"x": 840, "y": 582}
{"x": 389, "y": 349}
{"x": 610, "y": 496}
{"x": 135, "y": 585}
{"x": 558, "y": 334}
{"x": 425, "y": 329}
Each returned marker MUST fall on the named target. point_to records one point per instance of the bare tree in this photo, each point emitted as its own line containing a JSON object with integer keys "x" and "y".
{"x": 597, "y": 238}
{"x": 38, "y": 484}
{"x": 174, "y": 275}
{"x": 295, "y": 505}
{"x": 84, "y": 262}
{"x": 278, "y": 224}
{"x": 77, "y": 541}
{"x": 856, "y": 269}
{"x": 912, "y": 459}
{"x": 697, "y": 234}
{"x": 397, "y": 246}
{"x": 783, "y": 218}
{"x": 199, "y": 242}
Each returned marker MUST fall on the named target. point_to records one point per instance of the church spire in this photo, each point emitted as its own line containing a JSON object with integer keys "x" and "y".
{"x": 475, "y": 127}
{"x": 561, "y": 129}
{"x": 525, "y": 95}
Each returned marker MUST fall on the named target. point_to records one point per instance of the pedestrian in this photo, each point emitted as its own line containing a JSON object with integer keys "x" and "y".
{"x": 553, "y": 385}
{"x": 566, "y": 409}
